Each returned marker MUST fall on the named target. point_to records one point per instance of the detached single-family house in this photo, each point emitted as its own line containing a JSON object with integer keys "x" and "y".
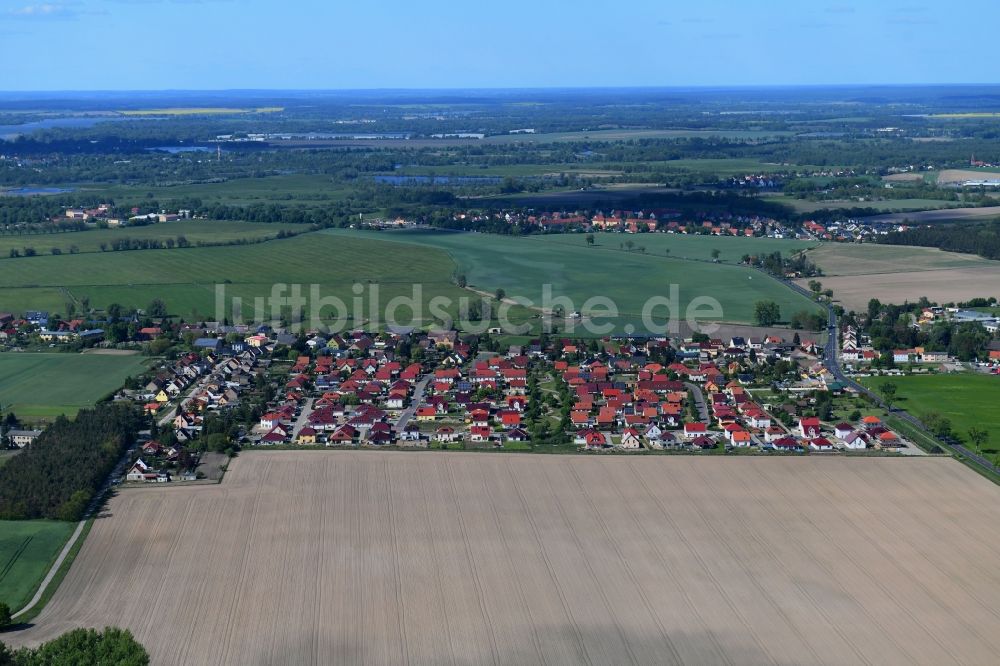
{"x": 138, "y": 471}
{"x": 306, "y": 436}
{"x": 842, "y": 430}
{"x": 809, "y": 427}
{"x": 695, "y": 429}
{"x": 820, "y": 444}
{"x": 630, "y": 439}
{"x": 855, "y": 441}
{"x": 446, "y": 434}
{"x": 595, "y": 440}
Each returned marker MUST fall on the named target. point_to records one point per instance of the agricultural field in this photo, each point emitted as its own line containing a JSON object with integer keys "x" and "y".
{"x": 888, "y": 205}
{"x": 683, "y": 246}
{"x": 27, "y": 550}
{"x": 200, "y": 111}
{"x": 962, "y": 175}
{"x": 366, "y": 557}
{"x": 944, "y": 215}
{"x": 43, "y": 386}
{"x": 186, "y": 279}
{"x": 195, "y": 231}
{"x": 297, "y": 188}
{"x": 632, "y": 135}
{"x": 896, "y": 273}
{"x": 968, "y": 400}
{"x": 521, "y": 266}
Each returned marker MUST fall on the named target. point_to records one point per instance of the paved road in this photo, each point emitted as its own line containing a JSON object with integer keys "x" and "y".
{"x": 179, "y": 400}
{"x": 418, "y": 396}
{"x": 699, "y": 402}
{"x": 303, "y": 420}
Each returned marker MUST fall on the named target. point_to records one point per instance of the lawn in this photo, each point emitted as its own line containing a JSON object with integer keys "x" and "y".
{"x": 967, "y": 399}
{"x": 195, "y": 231}
{"x": 43, "y": 386}
{"x": 27, "y": 550}
{"x": 521, "y": 266}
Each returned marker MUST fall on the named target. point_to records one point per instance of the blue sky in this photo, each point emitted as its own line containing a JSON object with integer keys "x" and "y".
{"x": 219, "y": 44}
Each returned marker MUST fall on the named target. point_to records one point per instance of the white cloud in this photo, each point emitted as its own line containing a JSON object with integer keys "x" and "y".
{"x": 45, "y": 10}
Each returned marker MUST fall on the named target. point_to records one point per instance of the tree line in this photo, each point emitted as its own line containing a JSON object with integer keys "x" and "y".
{"x": 980, "y": 238}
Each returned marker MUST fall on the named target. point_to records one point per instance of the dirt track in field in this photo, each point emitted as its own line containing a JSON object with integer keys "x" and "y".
{"x": 351, "y": 557}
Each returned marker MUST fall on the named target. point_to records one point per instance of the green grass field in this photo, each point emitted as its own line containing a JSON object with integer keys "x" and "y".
{"x": 186, "y": 279}
{"x": 682, "y": 246}
{"x": 336, "y": 260}
{"x": 195, "y": 231}
{"x": 301, "y": 188}
{"x": 887, "y": 206}
{"x": 968, "y": 400}
{"x": 43, "y": 386}
{"x": 632, "y": 134}
{"x": 521, "y": 266}
{"x": 27, "y": 550}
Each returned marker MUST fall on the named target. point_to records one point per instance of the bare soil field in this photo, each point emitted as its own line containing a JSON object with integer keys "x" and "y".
{"x": 943, "y": 286}
{"x": 318, "y": 557}
{"x": 962, "y": 175}
{"x": 903, "y": 177}
{"x": 895, "y": 273}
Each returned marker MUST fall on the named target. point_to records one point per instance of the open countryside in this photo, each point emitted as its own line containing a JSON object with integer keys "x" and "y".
{"x": 967, "y": 400}
{"x": 511, "y": 559}
{"x": 27, "y": 550}
{"x": 521, "y": 266}
{"x": 194, "y": 232}
{"x": 185, "y": 278}
{"x": 43, "y": 386}
{"x": 859, "y": 272}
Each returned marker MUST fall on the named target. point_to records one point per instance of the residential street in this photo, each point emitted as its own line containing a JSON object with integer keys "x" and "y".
{"x": 699, "y": 402}
{"x": 415, "y": 400}
{"x": 303, "y": 419}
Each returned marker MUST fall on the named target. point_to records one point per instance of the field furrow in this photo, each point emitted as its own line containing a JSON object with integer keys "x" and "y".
{"x": 352, "y": 557}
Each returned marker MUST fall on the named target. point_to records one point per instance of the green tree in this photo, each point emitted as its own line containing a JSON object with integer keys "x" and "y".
{"x": 5, "y": 616}
{"x": 590, "y": 239}
{"x": 500, "y": 294}
{"x": 766, "y": 313}
{"x": 888, "y": 391}
{"x": 716, "y": 253}
{"x": 156, "y": 308}
{"x": 87, "y": 646}
{"x": 978, "y": 437}
{"x": 815, "y": 286}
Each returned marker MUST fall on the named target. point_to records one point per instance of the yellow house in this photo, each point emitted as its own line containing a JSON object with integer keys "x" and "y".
{"x": 306, "y": 436}
{"x": 162, "y": 396}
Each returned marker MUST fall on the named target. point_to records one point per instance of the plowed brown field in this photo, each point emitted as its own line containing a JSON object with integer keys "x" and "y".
{"x": 388, "y": 558}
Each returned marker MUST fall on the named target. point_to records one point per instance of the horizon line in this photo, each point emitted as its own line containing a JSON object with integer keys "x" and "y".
{"x": 704, "y": 87}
